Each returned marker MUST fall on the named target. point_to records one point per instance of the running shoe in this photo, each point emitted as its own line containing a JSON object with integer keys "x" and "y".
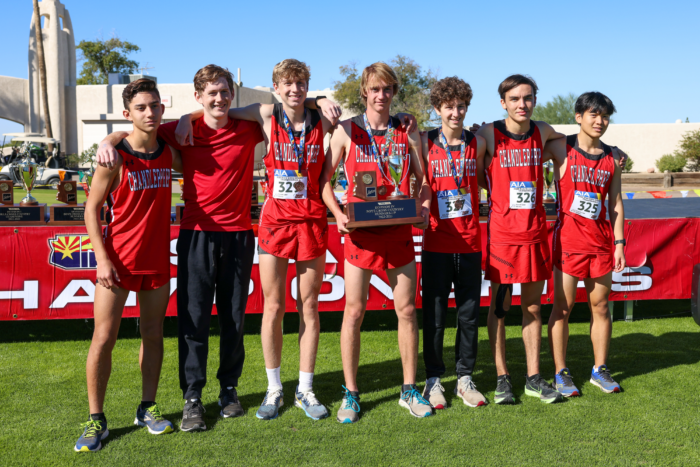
{"x": 466, "y": 389}
{"x": 229, "y": 403}
{"x": 309, "y": 404}
{"x": 350, "y": 407}
{"x": 434, "y": 393}
{"x": 603, "y": 380}
{"x": 564, "y": 383}
{"x": 415, "y": 403}
{"x": 91, "y": 439}
{"x": 153, "y": 420}
{"x": 193, "y": 416}
{"x": 504, "y": 391}
{"x": 537, "y": 386}
{"x": 269, "y": 409}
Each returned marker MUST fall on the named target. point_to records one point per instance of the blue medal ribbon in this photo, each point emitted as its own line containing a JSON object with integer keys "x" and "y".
{"x": 379, "y": 156}
{"x": 462, "y": 151}
{"x": 298, "y": 150}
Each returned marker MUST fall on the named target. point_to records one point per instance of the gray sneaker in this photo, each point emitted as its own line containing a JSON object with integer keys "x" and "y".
{"x": 415, "y": 403}
{"x": 310, "y": 405}
{"x": 350, "y": 407}
{"x": 536, "y": 386}
{"x": 193, "y": 416}
{"x": 434, "y": 393}
{"x": 269, "y": 409}
{"x": 466, "y": 389}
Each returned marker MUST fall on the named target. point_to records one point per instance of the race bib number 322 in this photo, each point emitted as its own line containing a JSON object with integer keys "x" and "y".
{"x": 454, "y": 204}
{"x": 522, "y": 195}
{"x": 586, "y": 204}
{"x": 290, "y": 184}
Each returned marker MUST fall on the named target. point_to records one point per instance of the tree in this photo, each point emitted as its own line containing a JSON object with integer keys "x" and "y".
{"x": 413, "y": 96}
{"x": 103, "y": 57}
{"x": 558, "y": 111}
{"x": 689, "y": 147}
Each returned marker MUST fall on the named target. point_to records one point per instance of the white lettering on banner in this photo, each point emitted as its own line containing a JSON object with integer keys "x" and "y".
{"x": 173, "y": 251}
{"x": 251, "y": 287}
{"x": 173, "y": 285}
{"x": 337, "y": 288}
{"x": 382, "y": 286}
{"x": 418, "y": 246}
{"x": 68, "y": 295}
{"x": 131, "y": 299}
{"x": 29, "y": 295}
{"x": 632, "y": 279}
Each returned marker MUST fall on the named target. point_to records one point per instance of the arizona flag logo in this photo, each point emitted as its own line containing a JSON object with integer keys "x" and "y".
{"x": 72, "y": 252}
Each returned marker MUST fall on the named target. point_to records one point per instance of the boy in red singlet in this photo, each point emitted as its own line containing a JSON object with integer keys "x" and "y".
{"x": 583, "y": 238}
{"x": 452, "y": 241}
{"x": 293, "y": 225}
{"x": 364, "y": 141}
{"x": 132, "y": 254}
{"x": 517, "y": 248}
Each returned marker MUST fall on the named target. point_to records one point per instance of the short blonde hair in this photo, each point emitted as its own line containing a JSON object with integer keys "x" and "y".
{"x": 379, "y": 71}
{"x": 291, "y": 69}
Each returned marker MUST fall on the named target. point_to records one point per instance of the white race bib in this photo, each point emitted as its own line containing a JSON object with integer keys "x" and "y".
{"x": 453, "y": 204}
{"x": 522, "y": 195}
{"x": 290, "y": 184}
{"x": 586, "y": 204}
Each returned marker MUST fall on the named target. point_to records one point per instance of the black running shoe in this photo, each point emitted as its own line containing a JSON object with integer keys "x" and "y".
{"x": 536, "y": 386}
{"x": 229, "y": 403}
{"x": 504, "y": 390}
{"x": 193, "y": 416}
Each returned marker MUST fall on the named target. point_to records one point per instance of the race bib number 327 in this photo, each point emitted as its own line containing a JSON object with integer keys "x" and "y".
{"x": 290, "y": 184}
{"x": 522, "y": 195}
{"x": 586, "y": 204}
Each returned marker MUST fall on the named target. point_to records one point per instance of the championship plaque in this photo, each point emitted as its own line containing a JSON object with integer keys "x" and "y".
{"x": 70, "y": 212}
{"x": 29, "y": 211}
{"x": 7, "y": 193}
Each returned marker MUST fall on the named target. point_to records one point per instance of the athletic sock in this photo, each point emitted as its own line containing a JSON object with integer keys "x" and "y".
{"x": 147, "y": 404}
{"x": 273, "y": 379}
{"x": 407, "y": 387}
{"x": 306, "y": 381}
{"x": 98, "y": 416}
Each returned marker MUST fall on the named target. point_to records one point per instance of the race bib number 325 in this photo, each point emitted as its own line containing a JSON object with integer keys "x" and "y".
{"x": 586, "y": 204}
{"x": 290, "y": 184}
{"x": 453, "y": 204}
{"x": 522, "y": 195}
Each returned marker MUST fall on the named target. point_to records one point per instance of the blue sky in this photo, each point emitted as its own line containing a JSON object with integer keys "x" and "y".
{"x": 643, "y": 55}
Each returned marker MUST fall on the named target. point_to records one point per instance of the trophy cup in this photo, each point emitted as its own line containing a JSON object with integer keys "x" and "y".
{"x": 550, "y": 207}
{"x": 29, "y": 211}
{"x": 69, "y": 213}
{"x": 180, "y": 207}
{"x": 397, "y": 209}
{"x": 87, "y": 175}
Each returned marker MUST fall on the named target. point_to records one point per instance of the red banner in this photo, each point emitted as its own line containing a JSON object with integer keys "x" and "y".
{"x": 49, "y": 272}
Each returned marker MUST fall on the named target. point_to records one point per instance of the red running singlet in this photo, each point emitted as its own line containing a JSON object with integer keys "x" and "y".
{"x": 515, "y": 181}
{"x": 582, "y": 225}
{"x": 450, "y": 230}
{"x": 137, "y": 234}
{"x": 360, "y": 158}
{"x": 285, "y": 202}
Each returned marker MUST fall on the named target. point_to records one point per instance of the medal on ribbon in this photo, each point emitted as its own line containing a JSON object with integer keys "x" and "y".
{"x": 462, "y": 169}
{"x": 298, "y": 150}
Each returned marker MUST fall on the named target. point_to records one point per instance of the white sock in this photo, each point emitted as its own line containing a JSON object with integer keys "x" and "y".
{"x": 273, "y": 379}
{"x": 305, "y": 381}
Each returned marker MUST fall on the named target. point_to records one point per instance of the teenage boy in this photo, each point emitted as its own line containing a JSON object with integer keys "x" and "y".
{"x": 293, "y": 225}
{"x": 365, "y": 142}
{"x": 215, "y": 246}
{"x": 517, "y": 248}
{"x": 583, "y": 245}
{"x": 452, "y": 242}
{"x": 132, "y": 255}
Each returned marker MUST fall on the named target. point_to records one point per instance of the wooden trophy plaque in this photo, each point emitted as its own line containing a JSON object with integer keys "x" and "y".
{"x": 374, "y": 213}
{"x": 18, "y": 214}
{"x": 7, "y": 193}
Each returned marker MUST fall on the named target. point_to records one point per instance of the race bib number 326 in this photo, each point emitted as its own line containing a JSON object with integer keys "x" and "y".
{"x": 586, "y": 204}
{"x": 290, "y": 184}
{"x": 522, "y": 195}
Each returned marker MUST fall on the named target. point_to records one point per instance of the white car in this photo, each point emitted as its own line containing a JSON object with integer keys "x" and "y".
{"x": 49, "y": 167}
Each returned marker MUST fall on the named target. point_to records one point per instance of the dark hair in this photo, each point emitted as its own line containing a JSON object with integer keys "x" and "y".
{"x": 209, "y": 74}
{"x": 135, "y": 87}
{"x": 594, "y": 102}
{"x": 516, "y": 80}
{"x": 448, "y": 90}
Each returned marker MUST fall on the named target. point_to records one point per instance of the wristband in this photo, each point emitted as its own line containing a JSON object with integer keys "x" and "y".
{"x": 621, "y": 242}
{"x": 318, "y": 98}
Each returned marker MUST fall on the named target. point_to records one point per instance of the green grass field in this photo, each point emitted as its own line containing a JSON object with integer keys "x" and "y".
{"x": 655, "y": 421}
{"x": 48, "y": 196}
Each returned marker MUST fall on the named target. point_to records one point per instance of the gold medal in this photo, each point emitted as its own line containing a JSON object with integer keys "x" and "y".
{"x": 367, "y": 179}
{"x": 68, "y": 187}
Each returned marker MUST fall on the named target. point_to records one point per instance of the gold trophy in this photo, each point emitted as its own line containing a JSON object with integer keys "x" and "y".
{"x": 549, "y": 203}
{"x": 397, "y": 174}
{"x": 26, "y": 173}
{"x": 29, "y": 211}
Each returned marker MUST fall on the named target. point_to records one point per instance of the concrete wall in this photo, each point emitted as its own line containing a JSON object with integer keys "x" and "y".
{"x": 13, "y": 100}
{"x": 643, "y": 142}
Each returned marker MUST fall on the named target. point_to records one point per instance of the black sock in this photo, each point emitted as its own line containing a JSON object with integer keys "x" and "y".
{"x": 355, "y": 394}
{"x": 98, "y": 416}
{"x": 147, "y": 404}
{"x": 407, "y": 387}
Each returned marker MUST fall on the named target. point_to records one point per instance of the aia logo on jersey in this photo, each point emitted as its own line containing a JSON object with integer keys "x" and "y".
{"x": 72, "y": 252}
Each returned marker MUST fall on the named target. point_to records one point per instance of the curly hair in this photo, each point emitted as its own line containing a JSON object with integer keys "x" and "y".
{"x": 209, "y": 74}
{"x": 291, "y": 69}
{"x": 448, "y": 90}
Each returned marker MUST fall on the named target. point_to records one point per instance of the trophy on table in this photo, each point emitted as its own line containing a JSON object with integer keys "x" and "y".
{"x": 70, "y": 213}
{"x": 396, "y": 209}
{"x": 29, "y": 211}
{"x": 549, "y": 203}
{"x": 180, "y": 207}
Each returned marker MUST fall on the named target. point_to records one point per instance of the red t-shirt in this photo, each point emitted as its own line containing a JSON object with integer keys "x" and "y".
{"x": 218, "y": 174}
